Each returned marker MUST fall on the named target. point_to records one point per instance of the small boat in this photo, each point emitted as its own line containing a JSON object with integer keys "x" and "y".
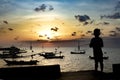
{"x": 78, "y": 51}
{"x": 12, "y": 50}
{"x": 104, "y": 57}
{"x": 51, "y": 55}
{"x": 10, "y": 56}
{"x": 21, "y": 62}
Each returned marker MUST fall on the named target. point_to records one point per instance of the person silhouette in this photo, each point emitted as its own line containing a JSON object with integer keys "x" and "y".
{"x": 97, "y": 43}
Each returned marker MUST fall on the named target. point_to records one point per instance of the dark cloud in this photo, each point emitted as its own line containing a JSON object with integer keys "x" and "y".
{"x": 85, "y": 23}
{"x": 45, "y": 34}
{"x": 48, "y": 37}
{"x": 73, "y": 34}
{"x": 10, "y": 29}
{"x": 41, "y": 8}
{"x": 83, "y": 35}
{"x": 82, "y": 18}
{"x": 44, "y": 7}
{"x": 89, "y": 32}
{"x": 106, "y": 23}
{"x": 117, "y": 7}
{"x": 117, "y": 28}
{"x": 40, "y": 35}
{"x": 5, "y": 22}
{"x": 51, "y": 8}
{"x": 103, "y": 23}
{"x": 55, "y": 29}
{"x": 113, "y": 16}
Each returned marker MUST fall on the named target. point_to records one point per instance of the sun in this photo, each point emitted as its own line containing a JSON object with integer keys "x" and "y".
{"x": 46, "y": 34}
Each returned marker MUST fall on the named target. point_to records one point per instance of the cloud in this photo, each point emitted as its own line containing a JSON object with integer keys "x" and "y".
{"x": 113, "y": 16}
{"x": 5, "y": 22}
{"x": 82, "y": 35}
{"x": 117, "y": 7}
{"x": 40, "y": 35}
{"x": 85, "y": 23}
{"x": 73, "y": 34}
{"x": 89, "y": 32}
{"x": 82, "y": 18}
{"x": 10, "y": 29}
{"x": 54, "y": 29}
{"x": 117, "y": 28}
{"x": 103, "y": 23}
{"x": 51, "y": 8}
{"x": 43, "y": 8}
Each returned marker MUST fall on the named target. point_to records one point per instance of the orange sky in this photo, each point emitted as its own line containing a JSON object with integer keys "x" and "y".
{"x": 54, "y": 20}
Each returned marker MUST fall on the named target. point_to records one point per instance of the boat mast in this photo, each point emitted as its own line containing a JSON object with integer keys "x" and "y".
{"x": 31, "y": 48}
{"x": 78, "y": 45}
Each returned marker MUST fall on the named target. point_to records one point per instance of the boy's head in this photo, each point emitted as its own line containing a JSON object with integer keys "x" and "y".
{"x": 96, "y": 32}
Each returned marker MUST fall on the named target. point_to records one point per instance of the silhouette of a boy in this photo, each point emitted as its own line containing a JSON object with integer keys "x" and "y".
{"x": 97, "y": 44}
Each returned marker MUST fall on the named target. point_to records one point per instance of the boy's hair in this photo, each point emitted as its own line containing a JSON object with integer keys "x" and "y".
{"x": 96, "y": 32}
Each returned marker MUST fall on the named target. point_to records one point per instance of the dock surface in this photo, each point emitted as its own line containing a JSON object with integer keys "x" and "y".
{"x": 86, "y": 75}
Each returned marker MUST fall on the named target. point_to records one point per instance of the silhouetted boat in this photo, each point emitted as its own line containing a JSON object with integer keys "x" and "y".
{"x": 104, "y": 57}
{"x": 12, "y": 53}
{"x": 78, "y": 51}
{"x": 10, "y": 56}
{"x": 21, "y": 62}
{"x": 12, "y": 50}
{"x": 51, "y": 55}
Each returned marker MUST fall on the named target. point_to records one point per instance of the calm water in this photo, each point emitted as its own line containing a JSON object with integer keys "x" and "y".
{"x": 73, "y": 62}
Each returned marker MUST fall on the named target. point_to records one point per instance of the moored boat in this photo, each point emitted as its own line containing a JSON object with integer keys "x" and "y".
{"x": 21, "y": 62}
{"x": 51, "y": 55}
{"x": 104, "y": 57}
{"x": 78, "y": 52}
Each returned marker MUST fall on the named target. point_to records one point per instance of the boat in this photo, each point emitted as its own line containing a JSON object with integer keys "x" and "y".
{"x": 104, "y": 57}
{"x": 12, "y": 50}
{"x": 21, "y": 62}
{"x": 10, "y": 56}
{"x": 13, "y": 54}
{"x": 78, "y": 51}
{"x": 52, "y": 55}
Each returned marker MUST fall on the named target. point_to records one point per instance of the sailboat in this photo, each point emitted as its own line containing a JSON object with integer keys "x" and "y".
{"x": 78, "y": 51}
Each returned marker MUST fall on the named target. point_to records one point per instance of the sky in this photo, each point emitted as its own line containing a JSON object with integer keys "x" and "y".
{"x": 57, "y": 20}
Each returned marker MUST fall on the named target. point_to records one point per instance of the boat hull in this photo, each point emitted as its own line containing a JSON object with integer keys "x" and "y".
{"x": 52, "y": 57}
{"x": 78, "y": 52}
{"x": 105, "y": 57}
{"x": 13, "y": 62}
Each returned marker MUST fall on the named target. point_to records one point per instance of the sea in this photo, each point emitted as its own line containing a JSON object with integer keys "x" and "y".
{"x": 70, "y": 62}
